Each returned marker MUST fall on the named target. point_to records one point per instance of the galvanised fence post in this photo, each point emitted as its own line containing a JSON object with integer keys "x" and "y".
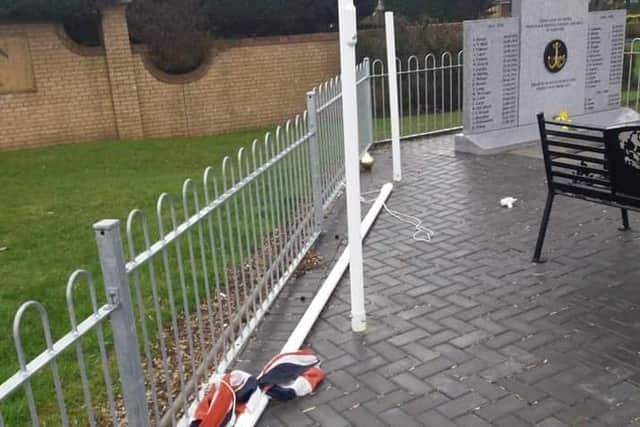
{"x": 316, "y": 181}
{"x": 368, "y": 103}
{"x": 125, "y": 338}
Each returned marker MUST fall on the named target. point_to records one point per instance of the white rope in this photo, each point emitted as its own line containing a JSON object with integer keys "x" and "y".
{"x": 421, "y": 234}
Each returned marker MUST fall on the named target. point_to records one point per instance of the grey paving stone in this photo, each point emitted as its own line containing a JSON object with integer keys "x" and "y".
{"x": 392, "y": 400}
{"x": 439, "y": 338}
{"x": 568, "y": 394}
{"x": 343, "y": 380}
{"x": 582, "y": 413}
{"x": 472, "y": 420}
{"x": 360, "y": 417}
{"x": 460, "y": 326}
{"x": 501, "y": 370}
{"x": 341, "y": 362}
{"x": 540, "y": 411}
{"x": 470, "y": 367}
{"x": 352, "y": 400}
{"x": 503, "y": 339}
{"x": 488, "y": 325}
{"x": 451, "y": 387}
{"x": 491, "y": 391}
{"x": 412, "y": 384}
{"x": 420, "y": 352}
{"x": 324, "y": 394}
{"x": 467, "y": 319}
{"x": 510, "y": 421}
{"x": 502, "y": 407}
{"x": 293, "y": 418}
{"x": 271, "y": 421}
{"x": 469, "y": 339}
{"x": 433, "y": 367}
{"x": 525, "y": 391}
{"x": 326, "y": 416}
{"x": 424, "y": 403}
{"x": 434, "y": 419}
{"x": 462, "y": 405}
{"x": 453, "y": 353}
{"x": 378, "y": 383}
{"x": 408, "y": 337}
{"x": 407, "y": 364}
{"x": 397, "y": 417}
{"x": 363, "y": 366}
{"x": 551, "y": 422}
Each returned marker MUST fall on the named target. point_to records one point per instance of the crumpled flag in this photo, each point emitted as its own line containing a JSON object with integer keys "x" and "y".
{"x": 286, "y": 377}
{"x": 225, "y": 399}
{"x": 291, "y": 375}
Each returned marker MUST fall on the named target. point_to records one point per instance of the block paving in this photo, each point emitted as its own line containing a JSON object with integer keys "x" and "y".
{"x": 465, "y": 330}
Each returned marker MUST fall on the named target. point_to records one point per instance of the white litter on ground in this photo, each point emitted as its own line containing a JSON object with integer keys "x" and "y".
{"x": 508, "y": 202}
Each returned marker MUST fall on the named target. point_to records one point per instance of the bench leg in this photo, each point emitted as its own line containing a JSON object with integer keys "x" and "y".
{"x": 543, "y": 228}
{"x": 625, "y": 220}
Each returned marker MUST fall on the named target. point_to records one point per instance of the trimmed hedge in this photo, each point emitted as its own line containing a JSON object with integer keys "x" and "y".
{"x": 56, "y": 10}
{"x": 418, "y": 39}
{"x": 249, "y": 18}
{"x": 412, "y": 39}
{"x": 439, "y": 10}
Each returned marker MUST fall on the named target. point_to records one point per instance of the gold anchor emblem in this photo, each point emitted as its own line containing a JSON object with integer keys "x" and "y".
{"x": 555, "y": 56}
{"x": 556, "y": 62}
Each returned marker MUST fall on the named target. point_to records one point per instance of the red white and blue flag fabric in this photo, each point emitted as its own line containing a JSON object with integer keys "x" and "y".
{"x": 225, "y": 399}
{"x": 291, "y": 375}
{"x": 286, "y": 377}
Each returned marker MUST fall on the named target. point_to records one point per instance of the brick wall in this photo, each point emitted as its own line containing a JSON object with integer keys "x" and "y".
{"x": 72, "y": 100}
{"x": 100, "y": 94}
{"x": 248, "y": 84}
{"x": 124, "y": 91}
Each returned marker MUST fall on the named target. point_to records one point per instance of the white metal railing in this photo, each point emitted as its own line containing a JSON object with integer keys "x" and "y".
{"x": 631, "y": 80}
{"x": 430, "y": 90}
{"x": 429, "y": 93}
{"x": 194, "y": 282}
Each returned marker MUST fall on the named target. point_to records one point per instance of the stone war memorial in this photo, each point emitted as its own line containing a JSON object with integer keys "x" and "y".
{"x": 552, "y": 57}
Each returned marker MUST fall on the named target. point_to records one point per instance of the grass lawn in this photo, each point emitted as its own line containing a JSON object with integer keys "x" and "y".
{"x": 629, "y": 97}
{"x": 49, "y": 199}
{"x": 417, "y": 124}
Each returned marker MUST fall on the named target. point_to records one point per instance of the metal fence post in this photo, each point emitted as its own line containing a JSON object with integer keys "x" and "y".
{"x": 316, "y": 182}
{"x": 368, "y": 104}
{"x": 125, "y": 339}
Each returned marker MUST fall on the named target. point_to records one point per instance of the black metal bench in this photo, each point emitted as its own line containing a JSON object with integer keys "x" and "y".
{"x": 590, "y": 163}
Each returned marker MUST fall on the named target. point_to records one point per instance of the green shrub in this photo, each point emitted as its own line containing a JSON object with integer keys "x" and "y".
{"x": 49, "y": 9}
{"x": 441, "y": 10}
{"x": 419, "y": 39}
{"x": 175, "y": 32}
{"x": 242, "y": 18}
{"x": 633, "y": 30}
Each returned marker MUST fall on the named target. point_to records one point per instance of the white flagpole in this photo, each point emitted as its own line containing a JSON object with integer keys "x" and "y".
{"x": 348, "y": 42}
{"x": 393, "y": 96}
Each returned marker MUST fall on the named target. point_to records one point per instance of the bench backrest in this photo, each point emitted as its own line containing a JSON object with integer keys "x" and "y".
{"x": 591, "y": 162}
{"x": 623, "y": 153}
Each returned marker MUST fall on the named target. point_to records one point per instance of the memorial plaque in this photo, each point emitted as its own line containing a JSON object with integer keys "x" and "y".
{"x": 553, "y": 52}
{"x": 605, "y": 60}
{"x": 491, "y": 66}
{"x": 16, "y": 73}
{"x": 552, "y": 56}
